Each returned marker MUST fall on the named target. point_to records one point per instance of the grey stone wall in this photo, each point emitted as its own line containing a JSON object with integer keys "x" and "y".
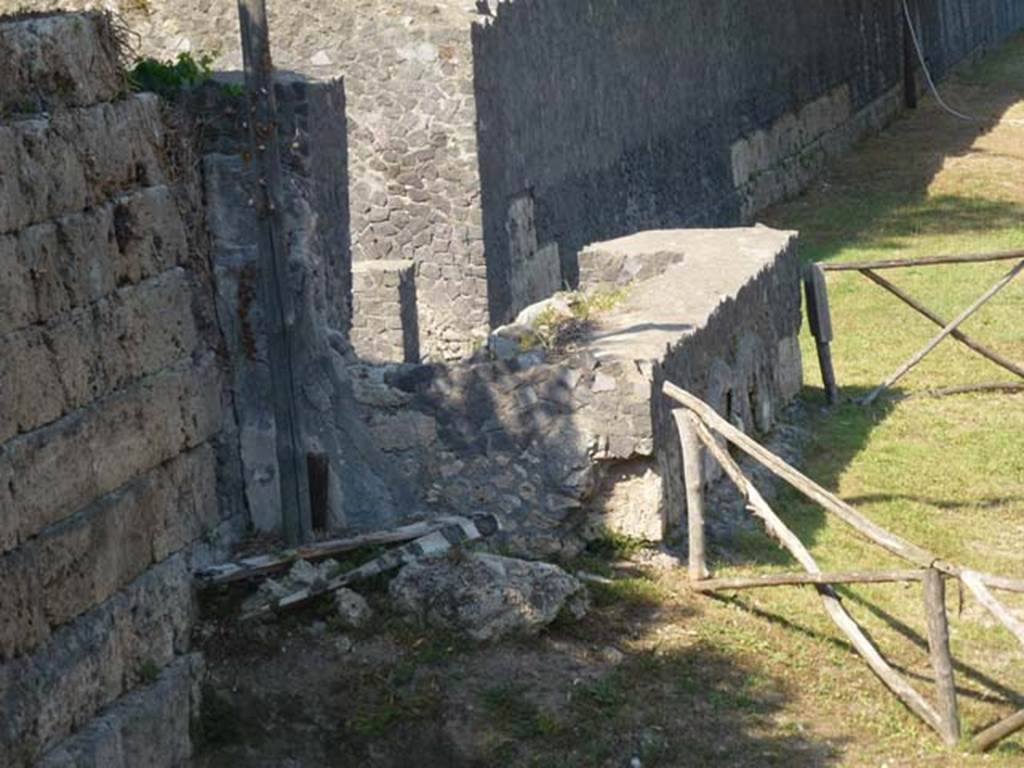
{"x": 616, "y": 117}
{"x": 312, "y": 128}
{"x": 111, "y": 412}
{"x": 553, "y": 442}
{"x": 584, "y": 121}
{"x": 385, "y": 327}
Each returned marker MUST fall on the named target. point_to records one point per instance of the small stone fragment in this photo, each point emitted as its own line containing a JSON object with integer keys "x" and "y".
{"x": 352, "y": 609}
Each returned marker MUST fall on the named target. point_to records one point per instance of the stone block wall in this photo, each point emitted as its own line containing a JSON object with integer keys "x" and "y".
{"x": 487, "y": 139}
{"x": 110, "y": 408}
{"x": 553, "y": 442}
{"x": 384, "y": 295}
{"x": 312, "y": 127}
{"x": 617, "y": 117}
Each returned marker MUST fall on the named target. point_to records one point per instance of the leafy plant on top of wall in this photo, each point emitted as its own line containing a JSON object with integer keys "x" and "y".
{"x": 168, "y": 77}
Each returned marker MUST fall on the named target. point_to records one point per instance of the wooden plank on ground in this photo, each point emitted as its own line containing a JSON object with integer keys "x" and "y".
{"x": 262, "y": 565}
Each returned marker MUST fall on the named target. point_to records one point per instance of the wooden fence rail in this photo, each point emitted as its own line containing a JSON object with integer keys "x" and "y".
{"x": 820, "y": 322}
{"x": 700, "y": 427}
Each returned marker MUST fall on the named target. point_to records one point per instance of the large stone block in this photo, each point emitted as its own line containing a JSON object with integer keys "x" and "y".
{"x": 48, "y": 371}
{"x": 61, "y": 164}
{"x": 80, "y": 562}
{"x": 148, "y": 727}
{"x": 55, "y": 471}
{"x": 92, "y": 661}
{"x": 58, "y": 60}
{"x": 54, "y": 267}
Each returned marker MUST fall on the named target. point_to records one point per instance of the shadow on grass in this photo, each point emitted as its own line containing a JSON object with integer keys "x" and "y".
{"x": 691, "y": 706}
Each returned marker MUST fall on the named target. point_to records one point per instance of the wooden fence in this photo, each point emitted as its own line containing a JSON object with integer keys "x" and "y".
{"x": 700, "y": 427}
{"x": 820, "y": 320}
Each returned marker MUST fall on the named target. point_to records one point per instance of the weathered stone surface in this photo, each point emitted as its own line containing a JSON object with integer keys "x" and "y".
{"x": 148, "y": 727}
{"x": 57, "y": 266}
{"x": 486, "y": 596}
{"x": 384, "y": 316}
{"x": 83, "y": 560}
{"x": 75, "y": 159}
{"x": 351, "y": 609}
{"x": 617, "y": 263}
{"x": 58, "y": 60}
{"x": 363, "y": 489}
{"x": 545, "y": 446}
{"x": 55, "y": 471}
{"x": 93, "y": 660}
{"x": 46, "y": 372}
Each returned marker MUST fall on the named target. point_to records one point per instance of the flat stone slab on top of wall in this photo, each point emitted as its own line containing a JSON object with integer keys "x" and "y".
{"x": 721, "y": 322}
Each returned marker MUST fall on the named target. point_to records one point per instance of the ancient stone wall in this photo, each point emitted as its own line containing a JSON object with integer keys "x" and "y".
{"x": 616, "y": 117}
{"x": 110, "y": 408}
{"x": 489, "y": 142}
{"x": 555, "y": 441}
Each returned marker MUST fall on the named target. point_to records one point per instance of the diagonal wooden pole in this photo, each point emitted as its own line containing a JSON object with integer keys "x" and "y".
{"x": 960, "y": 336}
{"x": 946, "y": 331}
{"x": 760, "y": 508}
{"x": 831, "y": 503}
{"x": 279, "y": 310}
{"x": 988, "y": 738}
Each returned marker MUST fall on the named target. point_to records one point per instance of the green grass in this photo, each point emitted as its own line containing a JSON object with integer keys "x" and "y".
{"x": 946, "y": 473}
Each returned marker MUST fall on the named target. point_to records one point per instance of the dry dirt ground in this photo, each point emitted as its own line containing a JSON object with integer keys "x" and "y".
{"x": 658, "y": 676}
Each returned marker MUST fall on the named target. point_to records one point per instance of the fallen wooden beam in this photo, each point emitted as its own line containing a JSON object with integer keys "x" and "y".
{"x": 1005, "y": 388}
{"x": 991, "y": 736}
{"x": 790, "y": 579}
{"x": 433, "y": 544}
{"x": 833, "y": 607}
{"x": 922, "y": 261}
{"x": 885, "y": 539}
{"x": 263, "y": 565}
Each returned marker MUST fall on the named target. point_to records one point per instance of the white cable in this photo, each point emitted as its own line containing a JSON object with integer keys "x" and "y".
{"x": 931, "y": 82}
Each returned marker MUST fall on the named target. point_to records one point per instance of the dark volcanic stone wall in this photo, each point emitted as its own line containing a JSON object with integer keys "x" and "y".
{"x": 630, "y": 114}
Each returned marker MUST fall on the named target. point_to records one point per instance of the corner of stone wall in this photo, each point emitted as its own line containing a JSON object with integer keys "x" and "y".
{"x": 113, "y": 411}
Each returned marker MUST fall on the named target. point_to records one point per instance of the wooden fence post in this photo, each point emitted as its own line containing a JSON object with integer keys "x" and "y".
{"x": 693, "y": 475}
{"x": 820, "y": 319}
{"x": 942, "y": 661}
{"x": 279, "y": 310}
{"x": 909, "y": 63}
